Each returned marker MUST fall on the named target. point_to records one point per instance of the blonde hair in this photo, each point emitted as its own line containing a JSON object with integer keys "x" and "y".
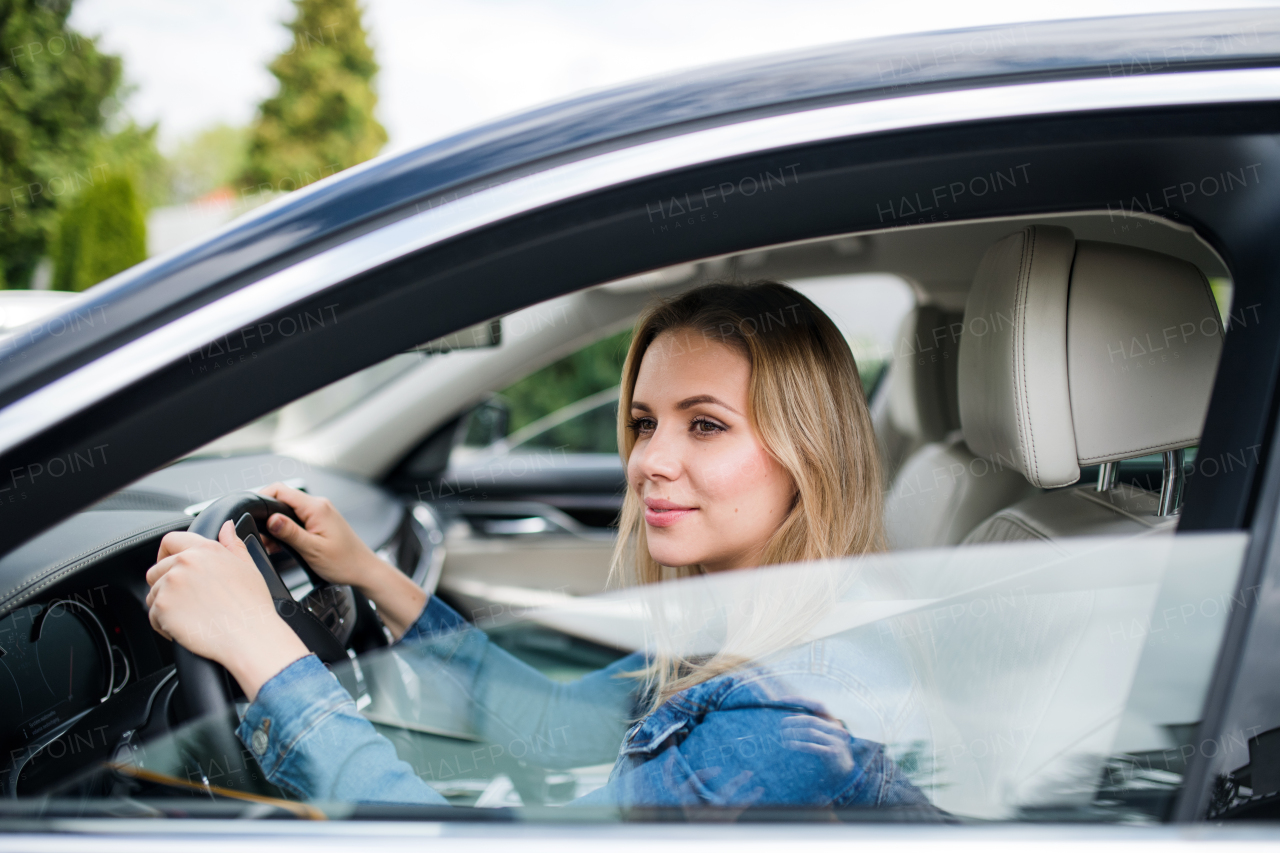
{"x": 806, "y": 403}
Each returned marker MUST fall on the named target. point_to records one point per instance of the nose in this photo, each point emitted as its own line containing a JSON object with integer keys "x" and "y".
{"x": 659, "y": 458}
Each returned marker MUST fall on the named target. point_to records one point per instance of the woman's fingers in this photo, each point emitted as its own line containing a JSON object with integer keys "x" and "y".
{"x": 300, "y": 502}
{"x": 706, "y": 774}
{"x": 192, "y": 550}
{"x": 173, "y": 545}
{"x": 153, "y": 615}
{"x": 177, "y": 542}
{"x": 311, "y": 511}
{"x": 812, "y": 735}
{"x": 826, "y": 738}
{"x": 806, "y": 746}
{"x": 227, "y": 536}
{"x": 158, "y": 571}
{"x": 286, "y": 530}
{"x": 209, "y": 596}
{"x": 826, "y": 724}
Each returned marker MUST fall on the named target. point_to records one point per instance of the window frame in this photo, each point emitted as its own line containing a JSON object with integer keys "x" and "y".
{"x": 523, "y": 252}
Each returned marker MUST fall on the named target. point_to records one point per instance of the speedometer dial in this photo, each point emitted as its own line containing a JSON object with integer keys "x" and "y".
{"x": 55, "y": 665}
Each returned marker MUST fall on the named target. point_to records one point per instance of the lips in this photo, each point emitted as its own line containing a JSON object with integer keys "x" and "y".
{"x": 662, "y": 513}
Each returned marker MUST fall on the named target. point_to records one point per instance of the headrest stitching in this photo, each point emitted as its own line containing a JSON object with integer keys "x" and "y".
{"x": 1024, "y": 288}
{"x": 1190, "y": 440}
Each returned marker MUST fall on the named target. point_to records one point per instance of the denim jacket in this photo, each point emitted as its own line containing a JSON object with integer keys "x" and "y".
{"x": 737, "y": 740}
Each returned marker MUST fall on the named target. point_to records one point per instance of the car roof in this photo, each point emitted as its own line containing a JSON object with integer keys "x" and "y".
{"x": 396, "y": 186}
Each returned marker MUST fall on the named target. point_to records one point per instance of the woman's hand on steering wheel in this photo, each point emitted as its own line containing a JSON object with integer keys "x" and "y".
{"x": 209, "y": 597}
{"x": 326, "y": 541}
{"x": 334, "y": 551}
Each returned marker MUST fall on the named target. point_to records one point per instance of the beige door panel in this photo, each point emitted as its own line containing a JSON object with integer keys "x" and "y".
{"x": 506, "y": 571}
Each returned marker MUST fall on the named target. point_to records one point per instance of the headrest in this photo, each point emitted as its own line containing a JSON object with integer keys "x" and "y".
{"x": 923, "y": 393}
{"x": 1076, "y": 353}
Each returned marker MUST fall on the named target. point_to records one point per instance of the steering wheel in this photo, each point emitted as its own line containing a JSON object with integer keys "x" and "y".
{"x": 323, "y": 620}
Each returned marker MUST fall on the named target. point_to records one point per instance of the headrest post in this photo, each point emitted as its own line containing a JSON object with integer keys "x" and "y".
{"x": 1108, "y": 474}
{"x": 1174, "y": 479}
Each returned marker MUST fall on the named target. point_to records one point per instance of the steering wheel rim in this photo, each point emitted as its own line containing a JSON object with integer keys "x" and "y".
{"x": 205, "y": 686}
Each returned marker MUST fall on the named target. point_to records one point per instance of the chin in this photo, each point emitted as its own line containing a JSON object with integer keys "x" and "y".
{"x": 671, "y": 556}
{"x": 670, "y": 560}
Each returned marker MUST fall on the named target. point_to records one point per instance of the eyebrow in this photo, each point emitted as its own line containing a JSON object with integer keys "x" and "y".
{"x": 688, "y": 403}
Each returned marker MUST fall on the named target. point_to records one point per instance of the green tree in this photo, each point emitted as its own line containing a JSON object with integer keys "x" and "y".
{"x": 57, "y": 92}
{"x": 587, "y": 371}
{"x": 213, "y": 158}
{"x": 101, "y": 233}
{"x": 132, "y": 151}
{"x": 321, "y": 120}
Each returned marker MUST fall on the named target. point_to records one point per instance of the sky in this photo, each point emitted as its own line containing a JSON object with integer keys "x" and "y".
{"x": 450, "y": 64}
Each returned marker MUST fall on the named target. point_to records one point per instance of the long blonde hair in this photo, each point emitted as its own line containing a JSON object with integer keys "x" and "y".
{"x": 806, "y": 403}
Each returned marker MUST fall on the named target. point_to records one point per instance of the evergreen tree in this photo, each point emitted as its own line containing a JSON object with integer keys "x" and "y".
{"x": 321, "y": 120}
{"x": 54, "y": 86}
{"x": 101, "y": 233}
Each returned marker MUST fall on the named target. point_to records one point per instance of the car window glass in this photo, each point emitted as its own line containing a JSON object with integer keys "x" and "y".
{"x": 589, "y": 425}
{"x": 867, "y": 309}
{"x": 569, "y": 405}
{"x": 1029, "y": 681}
{"x": 1031, "y": 675}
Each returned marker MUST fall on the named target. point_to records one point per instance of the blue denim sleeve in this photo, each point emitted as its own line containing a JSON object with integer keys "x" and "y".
{"x": 310, "y": 740}
{"x": 558, "y": 725}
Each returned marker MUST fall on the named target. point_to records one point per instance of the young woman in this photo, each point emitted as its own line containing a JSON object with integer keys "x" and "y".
{"x": 747, "y": 443}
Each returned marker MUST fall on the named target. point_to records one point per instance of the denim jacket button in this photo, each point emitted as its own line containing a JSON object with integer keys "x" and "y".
{"x": 259, "y": 739}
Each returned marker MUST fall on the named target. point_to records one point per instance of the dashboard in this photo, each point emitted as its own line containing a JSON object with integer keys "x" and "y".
{"x": 83, "y": 677}
{"x": 60, "y": 662}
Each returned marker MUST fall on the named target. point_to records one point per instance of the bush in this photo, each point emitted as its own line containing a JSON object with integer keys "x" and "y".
{"x": 101, "y": 233}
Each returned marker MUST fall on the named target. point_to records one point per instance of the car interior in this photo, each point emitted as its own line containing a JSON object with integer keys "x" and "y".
{"x": 1032, "y": 379}
{"x": 1071, "y": 444}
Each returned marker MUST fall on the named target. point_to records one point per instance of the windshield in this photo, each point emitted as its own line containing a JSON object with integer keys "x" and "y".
{"x": 866, "y": 308}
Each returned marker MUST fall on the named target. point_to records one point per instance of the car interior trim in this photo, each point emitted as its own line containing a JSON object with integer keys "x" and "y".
{"x": 81, "y": 607}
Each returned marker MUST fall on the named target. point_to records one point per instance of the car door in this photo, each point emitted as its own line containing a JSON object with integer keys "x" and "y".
{"x": 814, "y": 176}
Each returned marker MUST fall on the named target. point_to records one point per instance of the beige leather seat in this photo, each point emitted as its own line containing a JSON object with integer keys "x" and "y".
{"x": 943, "y": 491}
{"x": 1081, "y": 353}
{"x": 919, "y": 403}
{"x": 939, "y": 490}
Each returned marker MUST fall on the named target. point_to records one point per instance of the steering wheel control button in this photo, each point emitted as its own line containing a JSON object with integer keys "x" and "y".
{"x": 259, "y": 739}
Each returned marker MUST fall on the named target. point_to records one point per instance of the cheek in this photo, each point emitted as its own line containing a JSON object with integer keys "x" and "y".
{"x": 634, "y": 461}
{"x": 743, "y": 472}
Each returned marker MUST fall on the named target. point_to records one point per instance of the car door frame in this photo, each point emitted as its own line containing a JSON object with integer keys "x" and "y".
{"x": 130, "y": 384}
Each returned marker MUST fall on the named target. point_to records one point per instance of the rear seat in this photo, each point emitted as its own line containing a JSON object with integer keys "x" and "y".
{"x": 920, "y": 403}
{"x": 940, "y": 491}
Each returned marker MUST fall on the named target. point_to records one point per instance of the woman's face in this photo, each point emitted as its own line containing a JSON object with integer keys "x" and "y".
{"x": 712, "y": 494}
